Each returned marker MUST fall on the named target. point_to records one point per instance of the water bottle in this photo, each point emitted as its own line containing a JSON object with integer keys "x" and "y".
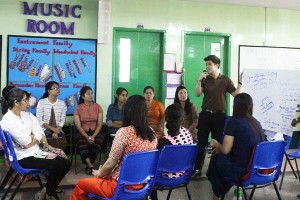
{"x": 238, "y": 194}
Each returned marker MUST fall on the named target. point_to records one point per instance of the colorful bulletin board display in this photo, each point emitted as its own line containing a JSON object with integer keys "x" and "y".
{"x": 33, "y": 61}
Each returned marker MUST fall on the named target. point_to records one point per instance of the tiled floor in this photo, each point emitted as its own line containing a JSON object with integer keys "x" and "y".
{"x": 200, "y": 188}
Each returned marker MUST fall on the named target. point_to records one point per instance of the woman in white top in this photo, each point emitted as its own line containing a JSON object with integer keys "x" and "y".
{"x": 26, "y": 134}
{"x": 51, "y": 113}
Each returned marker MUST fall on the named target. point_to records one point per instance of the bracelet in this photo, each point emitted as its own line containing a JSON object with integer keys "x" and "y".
{"x": 240, "y": 83}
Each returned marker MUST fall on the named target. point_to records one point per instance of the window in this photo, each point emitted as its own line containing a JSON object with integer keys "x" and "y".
{"x": 124, "y": 74}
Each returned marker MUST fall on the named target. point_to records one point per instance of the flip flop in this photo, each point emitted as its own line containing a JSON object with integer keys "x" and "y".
{"x": 58, "y": 190}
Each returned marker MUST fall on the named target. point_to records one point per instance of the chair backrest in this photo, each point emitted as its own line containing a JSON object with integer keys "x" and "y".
{"x": 10, "y": 152}
{"x": 227, "y": 120}
{"x": 137, "y": 168}
{"x": 175, "y": 159}
{"x": 266, "y": 163}
{"x": 288, "y": 140}
{"x": 225, "y": 125}
{"x": 4, "y": 143}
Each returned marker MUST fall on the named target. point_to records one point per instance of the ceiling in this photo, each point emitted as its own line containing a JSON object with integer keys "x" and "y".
{"x": 285, "y": 4}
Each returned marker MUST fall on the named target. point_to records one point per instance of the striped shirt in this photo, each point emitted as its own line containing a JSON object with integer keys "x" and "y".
{"x": 43, "y": 111}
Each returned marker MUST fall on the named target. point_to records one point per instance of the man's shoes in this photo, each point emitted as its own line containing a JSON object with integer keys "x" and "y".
{"x": 196, "y": 174}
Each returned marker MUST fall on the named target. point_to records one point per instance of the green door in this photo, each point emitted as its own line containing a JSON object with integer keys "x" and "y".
{"x": 196, "y": 47}
{"x": 137, "y": 62}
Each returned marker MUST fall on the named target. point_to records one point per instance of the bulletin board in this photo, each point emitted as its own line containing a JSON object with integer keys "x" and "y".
{"x": 34, "y": 61}
{"x": 173, "y": 80}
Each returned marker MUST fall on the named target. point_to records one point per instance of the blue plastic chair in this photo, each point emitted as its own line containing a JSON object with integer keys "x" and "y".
{"x": 175, "y": 158}
{"x": 11, "y": 155}
{"x": 288, "y": 158}
{"x": 265, "y": 168}
{"x": 137, "y": 168}
{"x": 10, "y": 171}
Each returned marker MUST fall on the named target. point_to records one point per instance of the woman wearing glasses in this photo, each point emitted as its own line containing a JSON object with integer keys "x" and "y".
{"x": 51, "y": 113}
{"x": 27, "y": 134}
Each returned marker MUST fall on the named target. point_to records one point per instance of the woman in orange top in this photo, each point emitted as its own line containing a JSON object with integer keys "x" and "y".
{"x": 156, "y": 112}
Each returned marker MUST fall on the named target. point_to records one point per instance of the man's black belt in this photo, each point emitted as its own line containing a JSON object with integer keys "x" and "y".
{"x": 214, "y": 111}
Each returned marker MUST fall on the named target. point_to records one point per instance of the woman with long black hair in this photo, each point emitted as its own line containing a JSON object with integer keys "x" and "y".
{"x": 230, "y": 159}
{"x": 190, "y": 117}
{"x": 51, "y": 113}
{"x": 27, "y": 134}
{"x": 114, "y": 117}
{"x": 134, "y": 136}
{"x": 88, "y": 117}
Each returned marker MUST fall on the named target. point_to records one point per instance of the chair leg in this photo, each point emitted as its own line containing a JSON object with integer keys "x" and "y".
{"x": 245, "y": 194}
{"x": 40, "y": 181}
{"x": 169, "y": 194}
{"x": 283, "y": 173}
{"x": 294, "y": 172}
{"x": 75, "y": 159}
{"x": 18, "y": 187}
{"x": 297, "y": 169}
{"x": 6, "y": 178}
{"x": 188, "y": 192}
{"x": 72, "y": 154}
{"x": 99, "y": 155}
{"x": 10, "y": 186}
{"x": 277, "y": 191}
{"x": 252, "y": 192}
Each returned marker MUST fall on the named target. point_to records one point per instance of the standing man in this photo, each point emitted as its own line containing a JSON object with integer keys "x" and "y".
{"x": 212, "y": 117}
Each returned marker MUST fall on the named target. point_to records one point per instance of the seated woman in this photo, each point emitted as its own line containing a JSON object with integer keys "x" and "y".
{"x": 114, "y": 116}
{"x": 190, "y": 117}
{"x": 88, "y": 117}
{"x": 51, "y": 113}
{"x": 135, "y": 136}
{"x": 156, "y": 112}
{"x": 5, "y": 90}
{"x": 43, "y": 142}
{"x": 177, "y": 134}
{"x": 27, "y": 133}
{"x": 230, "y": 159}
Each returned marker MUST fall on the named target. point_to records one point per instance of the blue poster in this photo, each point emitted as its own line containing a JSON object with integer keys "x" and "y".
{"x": 33, "y": 61}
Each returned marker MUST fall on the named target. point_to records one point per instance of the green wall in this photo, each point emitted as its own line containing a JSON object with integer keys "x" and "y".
{"x": 247, "y": 25}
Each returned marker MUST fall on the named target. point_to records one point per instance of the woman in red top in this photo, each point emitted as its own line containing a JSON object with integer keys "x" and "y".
{"x": 88, "y": 117}
{"x": 156, "y": 112}
{"x": 135, "y": 136}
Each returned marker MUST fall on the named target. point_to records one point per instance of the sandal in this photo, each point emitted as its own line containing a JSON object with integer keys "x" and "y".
{"x": 58, "y": 190}
{"x": 41, "y": 195}
{"x": 50, "y": 197}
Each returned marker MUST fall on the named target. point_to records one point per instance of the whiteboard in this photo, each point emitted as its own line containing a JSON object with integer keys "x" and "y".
{"x": 271, "y": 77}
{"x": 275, "y": 94}
{"x": 262, "y": 57}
